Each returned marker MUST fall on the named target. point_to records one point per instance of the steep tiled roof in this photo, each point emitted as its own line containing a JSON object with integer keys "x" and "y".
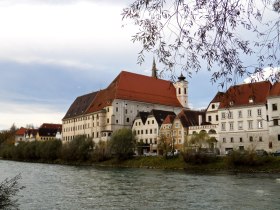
{"x": 51, "y": 126}
{"x": 160, "y": 115}
{"x": 80, "y": 105}
{"x": 143, "y": 116}
{"x": 169, "y": 119}
{"x": 21, "y": 131}
{"x": 50, "y": 132}
{"x": 239, "y": 95}
{"x": 136, "y": 87}
{"x": 190, "y": 117}
{"x": 31, "y": 131}
{"x": 218, "y": 97}
{"x": 275, "y": 90}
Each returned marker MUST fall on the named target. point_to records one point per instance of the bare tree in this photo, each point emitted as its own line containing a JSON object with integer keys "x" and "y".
{"x": 221, "y": 34}
{"x": 8, "y": 189}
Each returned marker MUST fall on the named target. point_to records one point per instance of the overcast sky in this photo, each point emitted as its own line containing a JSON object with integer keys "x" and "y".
{"x": 53, "y": 51}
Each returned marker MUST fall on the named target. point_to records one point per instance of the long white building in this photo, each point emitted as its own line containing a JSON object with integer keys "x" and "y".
{"x": 100, "y": 113}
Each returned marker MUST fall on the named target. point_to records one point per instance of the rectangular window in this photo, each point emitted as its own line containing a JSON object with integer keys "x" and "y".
{"x": 240, "y": 139}
{"x": 138, "y": 132}
{"x": 274, "y": 107}
{"x": 176, "y": 125}
{"x": 127, "y": 119}
{"x": 230, "y": 115}
{"x": 155, "y": 130}
{"x": 251, "y": 138}
{"x": 250, "y": 124}
{"x": 240, "y": 125}
{"x": 224, "y": 140}
{"x": 153, "y": 121}
{"x": 209, "y": 118}
{"x": 141, "y": 131}
{"x": 231, "y": 139}
{"x": 260, "y": 138}
{"x": 217, "y": 117}
{"x": 240, "y": 114}
{"x": 223, "y": 115}
{"x": 108, "y": 120}
{"x": 146, "y": 131}
{"x": 249, "y": 113}
{"x": 223, "y": 126}
{"x": 260, "y": 124}
{"x": 117, "y": 109}
{"x": 259, "y": 112}
{"x": 151, "y": 131}
{"x": 275, "y": 122}
{"x": 278, "y": 137}
{"x": 231, "y": 126}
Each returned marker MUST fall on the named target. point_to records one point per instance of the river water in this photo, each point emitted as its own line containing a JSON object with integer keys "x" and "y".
{"x": 87, "y": 187}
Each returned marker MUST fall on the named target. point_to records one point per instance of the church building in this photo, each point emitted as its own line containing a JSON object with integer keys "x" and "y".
{"x": 98, "y": 114}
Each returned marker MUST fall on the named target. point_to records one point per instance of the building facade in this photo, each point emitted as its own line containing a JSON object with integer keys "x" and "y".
{"x": 97, "y": 115}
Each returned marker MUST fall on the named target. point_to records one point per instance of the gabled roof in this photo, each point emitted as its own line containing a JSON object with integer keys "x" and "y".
{"x": 21, "y": 131}
{"x": 136, "y": 87}
{"x": 160, "y": 115}
{"x": 275, "y": 90}
{"x": 239, "y": 95}
{"x": 80, "y": 105}
{"x": 31, "y": 131}
{"x": 51, "y": 126}
{"x": 218, "y": 97}
{"x": 190, "y": 117}
{"x": 169, "y": 119}
{"x": 143, "y": 116}
{"x": 50, "y": 132}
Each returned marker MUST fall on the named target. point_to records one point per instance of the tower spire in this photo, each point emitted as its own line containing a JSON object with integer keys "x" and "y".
{"x": 154, "y": 69}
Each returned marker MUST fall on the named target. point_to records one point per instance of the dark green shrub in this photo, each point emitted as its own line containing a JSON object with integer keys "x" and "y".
{"x": 198, "y": 157}
{"x": 79, "y": 149}
{"x": 246, "y": 158}
{"x": 122, "y": 144}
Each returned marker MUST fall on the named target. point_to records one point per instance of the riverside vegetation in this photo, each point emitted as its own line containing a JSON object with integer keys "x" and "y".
{"x": 119, "y": 153}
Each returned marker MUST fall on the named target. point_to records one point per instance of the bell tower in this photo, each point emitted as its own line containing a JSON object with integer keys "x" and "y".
{"x": 154, "y": 69}
{"x": 182, "y": 91}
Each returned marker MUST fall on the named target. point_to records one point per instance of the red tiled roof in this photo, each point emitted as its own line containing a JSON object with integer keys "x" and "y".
{"x": 218, "y": 97}
{"x": 239, "y": 95}
{"x": 21, "y": 131}
{"x": 136, "y": 87}
{"x": 169, "y": 119}
{"x": 275, "y": 90}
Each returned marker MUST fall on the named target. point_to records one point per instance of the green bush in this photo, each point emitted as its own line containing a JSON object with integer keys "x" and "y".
{"x": 246, "y": 158}
{"x": 122, "y": 144}
{"x": 79, "y": 149}
{"x": 198, "y": 157}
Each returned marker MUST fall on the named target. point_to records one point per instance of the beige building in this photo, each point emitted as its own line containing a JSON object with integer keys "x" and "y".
{"x": 243, "y": 117}
{"x": 273, "y": 109}
{"x": 146, "y": 128}
{"x": 100, "y": 113}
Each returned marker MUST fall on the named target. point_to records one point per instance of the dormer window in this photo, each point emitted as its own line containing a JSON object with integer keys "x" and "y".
{"x": 251, "y": 100}
{"x": 213, "y": 106}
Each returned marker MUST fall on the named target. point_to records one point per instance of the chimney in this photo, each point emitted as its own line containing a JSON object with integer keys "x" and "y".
{"x": 199, "y": 119}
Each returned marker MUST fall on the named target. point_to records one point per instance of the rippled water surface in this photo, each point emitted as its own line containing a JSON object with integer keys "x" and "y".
{"x": 70, "y": 187}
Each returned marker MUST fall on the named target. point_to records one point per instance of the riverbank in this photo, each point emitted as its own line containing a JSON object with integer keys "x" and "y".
{"x": 220, "y": 165}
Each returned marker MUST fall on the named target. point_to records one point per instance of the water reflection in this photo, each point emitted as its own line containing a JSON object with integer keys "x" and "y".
{"x": 70, "y": 187}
